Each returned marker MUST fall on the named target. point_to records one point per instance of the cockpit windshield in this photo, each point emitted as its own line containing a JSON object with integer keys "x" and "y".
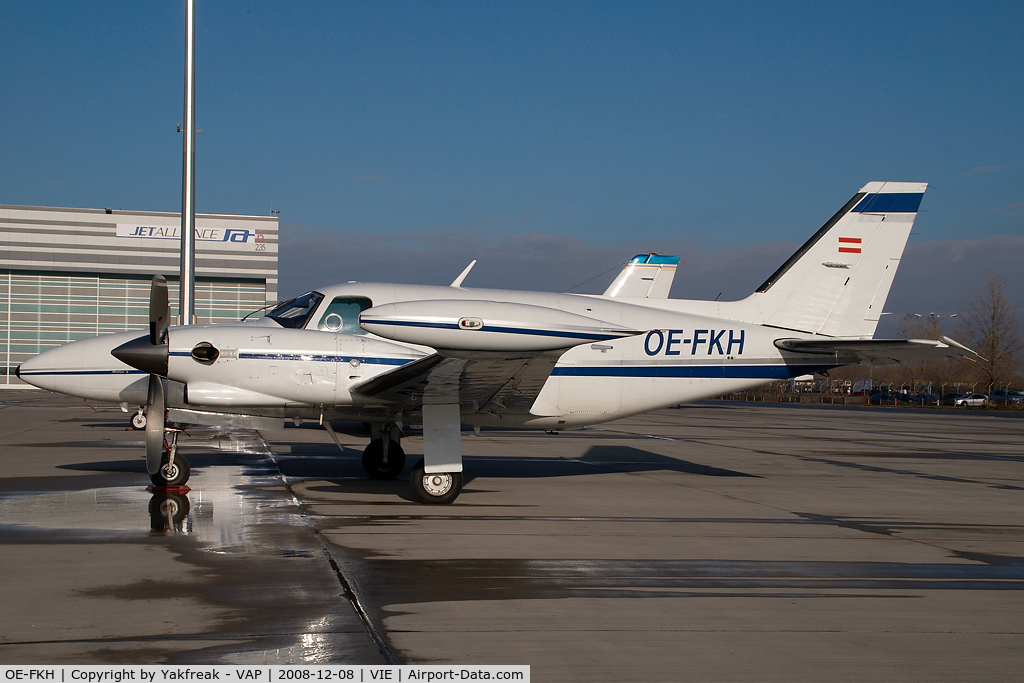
{"x": 295, "y": 312}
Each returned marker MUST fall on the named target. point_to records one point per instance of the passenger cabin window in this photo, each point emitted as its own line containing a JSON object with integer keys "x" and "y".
{"x": 295, "y": 312}
{"x": 343, "y": 315}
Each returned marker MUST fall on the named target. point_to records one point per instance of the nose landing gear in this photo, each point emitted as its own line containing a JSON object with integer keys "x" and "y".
{"x": 174, "y": 470}
{"x": 138, "y": 420}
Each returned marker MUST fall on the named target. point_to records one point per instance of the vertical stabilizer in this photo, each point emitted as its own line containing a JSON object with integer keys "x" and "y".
{"x": 646, "y": 276}
{"x": 837, "y": 282}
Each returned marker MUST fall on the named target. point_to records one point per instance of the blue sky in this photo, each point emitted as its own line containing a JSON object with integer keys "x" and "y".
{"x": 630, "y": 126}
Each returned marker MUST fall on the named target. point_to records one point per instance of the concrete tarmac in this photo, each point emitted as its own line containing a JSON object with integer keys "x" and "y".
{"x": 717, "y": 542}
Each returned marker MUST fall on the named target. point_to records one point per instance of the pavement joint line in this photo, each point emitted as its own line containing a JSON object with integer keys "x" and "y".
{"x": 174, "y": 637}
{"x": 66, "y": 419}
{"x": 350, "y": 593}
{"x": 4, "y": 404}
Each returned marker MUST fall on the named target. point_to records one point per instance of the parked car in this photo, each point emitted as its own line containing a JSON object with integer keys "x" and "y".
{"x": 881, "y": 398}
{"x": 950, "y": 399}
{"x": 1007, "y": 398}
{"x": 889, "y": 398}
{"x": 928, "y": 399}
{"x": 972, "y": 400}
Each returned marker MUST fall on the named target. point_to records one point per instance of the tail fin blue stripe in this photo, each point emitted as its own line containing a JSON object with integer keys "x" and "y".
{"x": 890, "y": 202}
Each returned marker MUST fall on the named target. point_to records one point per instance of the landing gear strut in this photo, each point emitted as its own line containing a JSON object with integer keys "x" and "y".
{"x": 174, "y": 469}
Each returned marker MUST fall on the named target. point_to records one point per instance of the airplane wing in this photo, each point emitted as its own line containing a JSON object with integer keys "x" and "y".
{"x": 480, "y": 383}
{"x": 879, "y": 351}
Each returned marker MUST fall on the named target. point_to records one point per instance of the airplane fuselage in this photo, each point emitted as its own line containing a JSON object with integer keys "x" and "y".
{"x": 670, "y": 357}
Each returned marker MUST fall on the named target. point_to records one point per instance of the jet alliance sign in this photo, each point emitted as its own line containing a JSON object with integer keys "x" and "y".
{"x": 173, "y": 232}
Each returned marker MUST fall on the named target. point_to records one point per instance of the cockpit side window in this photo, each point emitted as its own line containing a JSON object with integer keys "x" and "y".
{"x": 343, "y": 315}
{"x": 295, "y": 312}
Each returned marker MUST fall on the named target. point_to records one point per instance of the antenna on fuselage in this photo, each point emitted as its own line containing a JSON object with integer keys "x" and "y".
{"x": 462, "y": 276}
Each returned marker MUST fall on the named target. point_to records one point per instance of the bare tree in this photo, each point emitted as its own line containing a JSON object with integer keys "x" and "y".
{"x": 939, "y": 371}
{"x": 990, "y": 324}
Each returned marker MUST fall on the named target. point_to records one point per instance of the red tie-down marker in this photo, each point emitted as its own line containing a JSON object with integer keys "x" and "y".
{"x": 849, "y": 249}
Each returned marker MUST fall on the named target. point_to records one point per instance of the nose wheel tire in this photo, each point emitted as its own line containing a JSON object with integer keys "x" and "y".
{"x": 171, "y": 474}
{"x": 436, "y": 488}
{"x": 373, "y": 460}
{"x": 139, "y": 421}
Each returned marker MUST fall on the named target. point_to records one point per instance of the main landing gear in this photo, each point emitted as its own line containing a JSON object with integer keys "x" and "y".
{"x": 384, "y": 458}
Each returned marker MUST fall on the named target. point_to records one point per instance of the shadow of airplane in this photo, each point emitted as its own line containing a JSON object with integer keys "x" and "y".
{"x": 344, "y": 471}
{"x": 346, "y": 476}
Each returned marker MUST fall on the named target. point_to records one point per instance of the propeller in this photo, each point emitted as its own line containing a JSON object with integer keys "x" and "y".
{"x": 158, "y": 311}
{"x": 149, "y": 354}
{"x": 155, "y": 425}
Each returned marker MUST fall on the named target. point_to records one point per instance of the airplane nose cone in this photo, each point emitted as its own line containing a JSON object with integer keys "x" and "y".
{"x": 142, "y": 355}
{"x": 55, "y": 369}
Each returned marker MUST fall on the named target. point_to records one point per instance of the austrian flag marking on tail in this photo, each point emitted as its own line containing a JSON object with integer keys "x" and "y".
{"x": 846, "y": 245}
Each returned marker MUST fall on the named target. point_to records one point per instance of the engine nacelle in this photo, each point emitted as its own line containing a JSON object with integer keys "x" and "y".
{"x": 485, "y": 325}
{"x": 220, "y": 395}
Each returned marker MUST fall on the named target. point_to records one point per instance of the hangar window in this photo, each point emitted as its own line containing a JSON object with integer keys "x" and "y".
{"x": 343, "y": 315}
{"x": 295, "y": 312}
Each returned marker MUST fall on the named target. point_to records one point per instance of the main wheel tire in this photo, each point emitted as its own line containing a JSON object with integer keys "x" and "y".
{"x": 440, "y": 488}
{"x": 373, "y": 460}
{"x": 139, "y": 421}
{"x": 175, "y": 474}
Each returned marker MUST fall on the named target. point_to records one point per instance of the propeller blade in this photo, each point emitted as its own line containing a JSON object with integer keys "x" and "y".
{"x": 155, "y": 425}
{"x": 159, "y": 309}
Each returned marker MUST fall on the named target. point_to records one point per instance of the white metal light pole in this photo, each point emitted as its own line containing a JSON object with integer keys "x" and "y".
{"x": 187, "y": 279}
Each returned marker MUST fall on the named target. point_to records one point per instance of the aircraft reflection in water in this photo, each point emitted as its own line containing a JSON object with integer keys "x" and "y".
{"x": 444, "y": 357}
{"x": 168, "y": 512}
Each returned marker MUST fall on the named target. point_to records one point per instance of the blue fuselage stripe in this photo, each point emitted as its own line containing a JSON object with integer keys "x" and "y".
{"x": 36, "y": 373}
{"x": 316, "y": 358}
{"x": 767, "y": 372}
{"x": 253, "y": 356}
{"x": 312, "y": 357}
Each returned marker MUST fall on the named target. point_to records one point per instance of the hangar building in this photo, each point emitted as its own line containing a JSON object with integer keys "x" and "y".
{"x": 68, "y": 274}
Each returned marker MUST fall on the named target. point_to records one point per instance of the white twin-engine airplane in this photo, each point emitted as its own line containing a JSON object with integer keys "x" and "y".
{"x": 444, "y": 357}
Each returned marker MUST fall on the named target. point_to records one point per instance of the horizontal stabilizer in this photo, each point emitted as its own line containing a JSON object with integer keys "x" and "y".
{"x": 878, "y": 351}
